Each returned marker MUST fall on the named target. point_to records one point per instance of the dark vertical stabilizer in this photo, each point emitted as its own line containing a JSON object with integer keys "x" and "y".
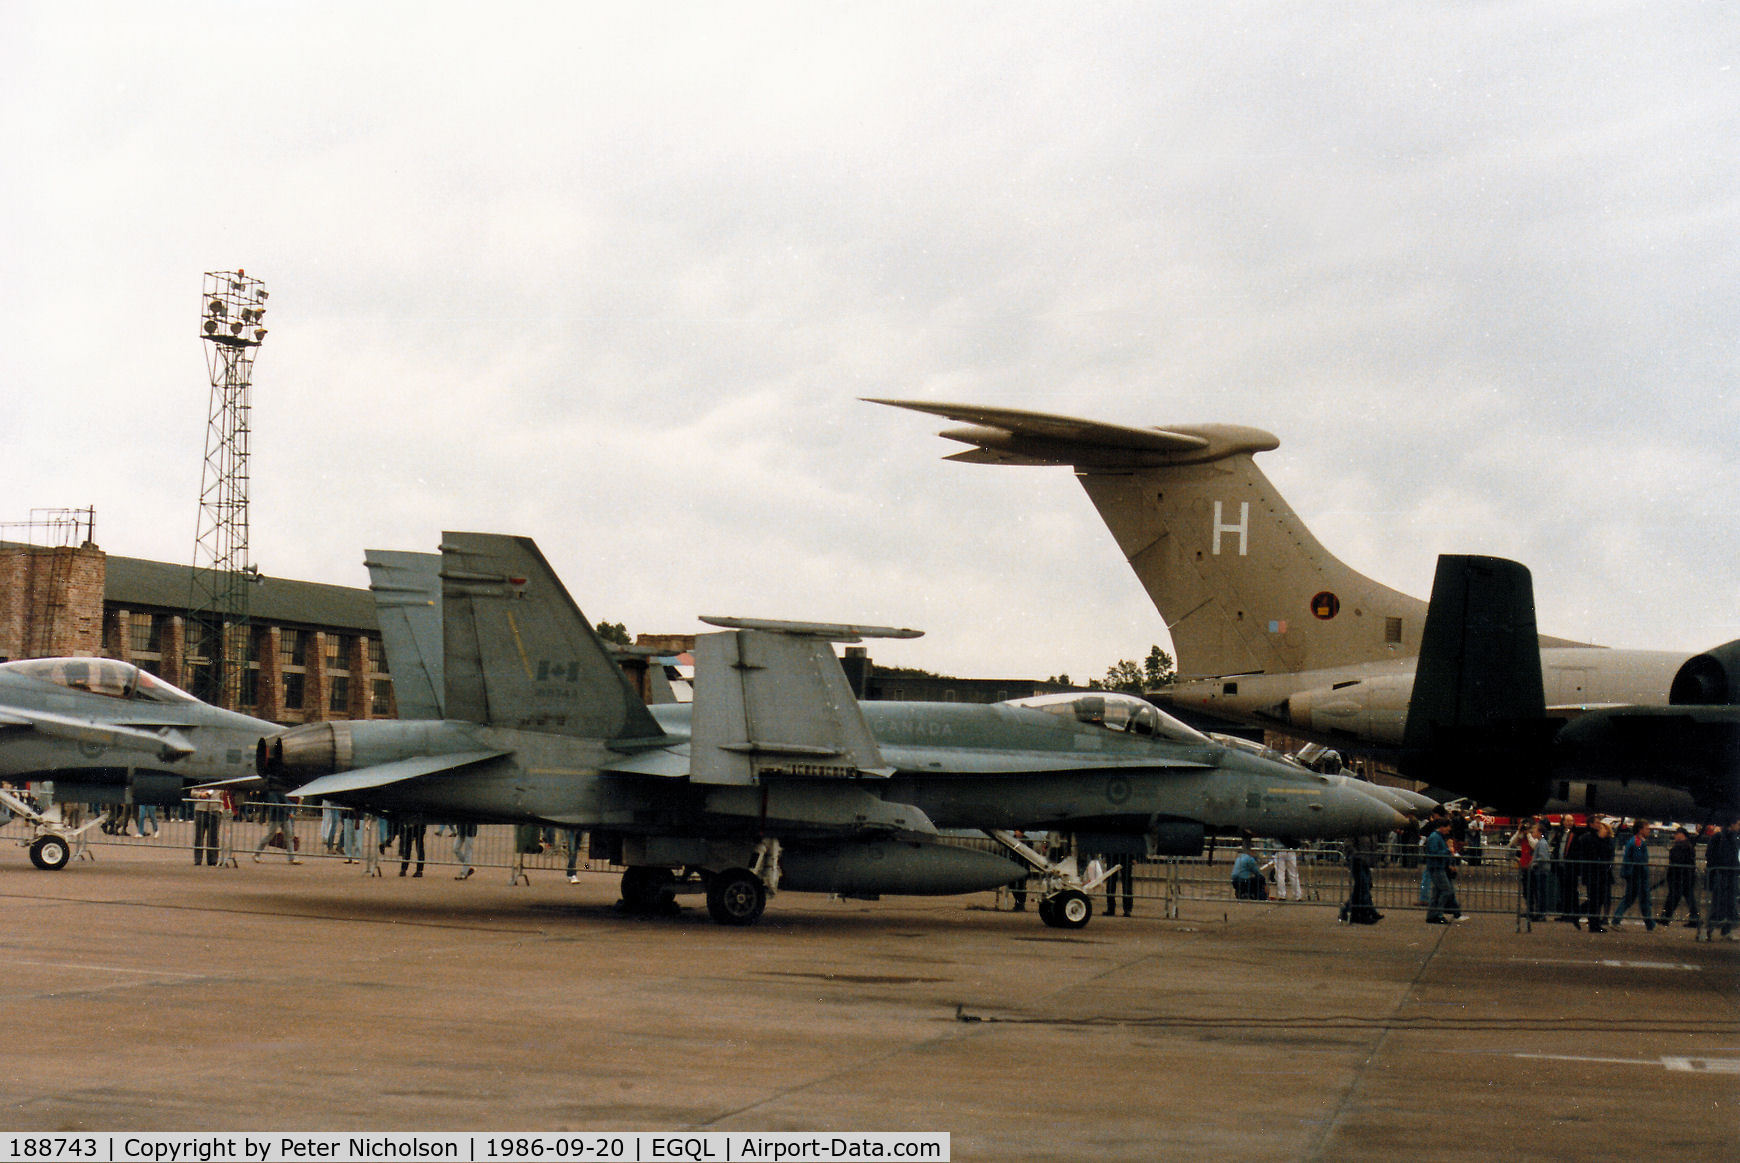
{"x": 1477, "y": 717}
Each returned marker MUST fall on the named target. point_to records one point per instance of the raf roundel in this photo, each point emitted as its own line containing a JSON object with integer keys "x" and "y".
{"x": 1325, "y": 606}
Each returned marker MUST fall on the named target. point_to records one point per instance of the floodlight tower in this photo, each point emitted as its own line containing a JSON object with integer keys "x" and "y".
{"x": 231, "y": 309}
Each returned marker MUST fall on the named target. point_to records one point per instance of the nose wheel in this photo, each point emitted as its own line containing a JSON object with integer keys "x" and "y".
{"x": 50, "y": 853}
{"x": 1066, "y": 904}
{"x": 1068, "y": 909}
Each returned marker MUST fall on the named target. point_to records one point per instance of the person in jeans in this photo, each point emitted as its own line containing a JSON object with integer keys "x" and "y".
{"x": 1443, "y": 893}
{"x": 1682, "y": 879}
{"x": 1634, "y": 867}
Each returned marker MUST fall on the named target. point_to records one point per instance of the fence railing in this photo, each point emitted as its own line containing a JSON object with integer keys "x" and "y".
{"x": 1315, "y": 874}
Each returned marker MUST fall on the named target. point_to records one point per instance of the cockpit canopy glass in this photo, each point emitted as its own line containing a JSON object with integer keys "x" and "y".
{"x": 100, "y": 676}
{"x": 1115, "y": 712}
{"x": 1251, "y": 747}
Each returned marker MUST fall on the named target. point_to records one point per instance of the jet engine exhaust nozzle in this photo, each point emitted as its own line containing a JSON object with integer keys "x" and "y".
{"x": 312, "y": 749}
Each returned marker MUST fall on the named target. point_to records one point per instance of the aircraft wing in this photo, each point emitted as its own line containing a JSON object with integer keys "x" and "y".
{"x": 382, "y": 774}
{"x": 168, "y": 746}
{"x": 771, "y": 699}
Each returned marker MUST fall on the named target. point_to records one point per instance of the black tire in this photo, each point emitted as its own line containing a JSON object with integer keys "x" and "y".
{"x": 1048, "y": 911}
{"x": 735, "y": 897}
{"x": 1072, "y": 909}
{"x": 645, "y": 890}
{"x": 50, "y": 853}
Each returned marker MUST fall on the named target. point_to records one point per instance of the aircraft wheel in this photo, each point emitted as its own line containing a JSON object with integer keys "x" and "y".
{"x": 1072, "y": 909}
{"x": 1048, "y": 911}
{"x": 50, "y": 853}
{"x": 735, "y": 897}
{"x": 645, "y": 889}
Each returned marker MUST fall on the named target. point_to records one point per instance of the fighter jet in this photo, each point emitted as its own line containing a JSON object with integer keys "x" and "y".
{"x": 775, "y": 777}
{"x": 105, "y": 731}
{"x": 1269, "y": 628}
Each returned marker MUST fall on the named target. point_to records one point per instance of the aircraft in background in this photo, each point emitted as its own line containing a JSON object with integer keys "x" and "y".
{"x": 106, "y": 732}
{"x": 1478, "y": 703}
{"x": 775, "y": 777}
{"x": 1271, "y": 629}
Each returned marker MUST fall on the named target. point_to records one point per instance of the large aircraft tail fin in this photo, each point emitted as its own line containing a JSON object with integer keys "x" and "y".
{"x": 1243, "y": 586}
{"x": 1477, "y": 717}
{"x": 517, "y": 652}
{"x": 407, "y": 590}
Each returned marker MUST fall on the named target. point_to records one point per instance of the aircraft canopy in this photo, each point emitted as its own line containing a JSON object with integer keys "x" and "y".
{"x": 99, "y": 676}
{"x": 1115, "y": 712}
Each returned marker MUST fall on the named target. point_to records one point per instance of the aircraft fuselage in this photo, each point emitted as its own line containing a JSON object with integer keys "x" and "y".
{"x": 1365, "y": 706}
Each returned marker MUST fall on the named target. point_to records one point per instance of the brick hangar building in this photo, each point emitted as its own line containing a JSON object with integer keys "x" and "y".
{"x": 313, "y": 651}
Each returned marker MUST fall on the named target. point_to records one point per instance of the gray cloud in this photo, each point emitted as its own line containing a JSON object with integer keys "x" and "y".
{"x": 614, "y": 279}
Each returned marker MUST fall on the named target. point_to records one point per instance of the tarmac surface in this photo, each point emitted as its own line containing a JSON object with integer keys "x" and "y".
{"x": 144, "y": 994}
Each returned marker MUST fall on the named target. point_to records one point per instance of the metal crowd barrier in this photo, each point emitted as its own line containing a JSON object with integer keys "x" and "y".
{"x": 252, "y": 833}
{"x": 1486, "y": 882}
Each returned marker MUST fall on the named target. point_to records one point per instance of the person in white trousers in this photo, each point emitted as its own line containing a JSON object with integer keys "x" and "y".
{"x": 1287, "y": 869}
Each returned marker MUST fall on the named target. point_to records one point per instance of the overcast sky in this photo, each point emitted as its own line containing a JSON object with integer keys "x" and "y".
{"x": 613, "y": 277}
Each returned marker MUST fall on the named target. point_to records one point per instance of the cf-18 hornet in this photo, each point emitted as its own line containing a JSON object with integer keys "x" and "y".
{"x": 106, "y": 732}
{"x": 775, "y": 777}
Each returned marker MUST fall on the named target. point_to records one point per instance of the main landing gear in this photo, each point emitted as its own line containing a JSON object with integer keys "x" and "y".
{"x": 1063, "y": 900}
{"x": 735, "y": 896}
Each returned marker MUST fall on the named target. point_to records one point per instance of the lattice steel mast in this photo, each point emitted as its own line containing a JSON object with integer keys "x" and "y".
{"x": 230, "y": 323}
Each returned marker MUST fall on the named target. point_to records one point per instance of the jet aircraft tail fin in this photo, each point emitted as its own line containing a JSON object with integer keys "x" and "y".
{"x": 1240, "y": 581}
{"x": 1477, "y": 716}
{"x": 407, "y": 590}
{"x": 517, "y": 652}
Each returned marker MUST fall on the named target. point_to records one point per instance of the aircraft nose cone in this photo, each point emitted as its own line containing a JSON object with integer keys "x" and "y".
{"x": 1370, "y": 814}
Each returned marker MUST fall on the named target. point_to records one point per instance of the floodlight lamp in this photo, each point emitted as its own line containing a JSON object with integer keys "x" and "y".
{"x": 236, "y": 327}
{"x": 211, "y": 326}
{"x": 217, "y": 307}
{"x": 259, "y": 334}
{"x": 264, "y": 294}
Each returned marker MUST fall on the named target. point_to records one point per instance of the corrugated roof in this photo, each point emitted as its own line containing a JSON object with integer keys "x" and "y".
{"x": 135, "y": 584}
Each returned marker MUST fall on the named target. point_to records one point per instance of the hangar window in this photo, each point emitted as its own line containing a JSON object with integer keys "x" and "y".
{"x": 292, "y": 648}
{"x": 377, "y": 656}
{"x": 147, "y": 633}
{"x": 293, "y": 687}
{"x": 381, "y": 698}
{"x": 337, "y": 652}
{"x": 1393, "y": 631}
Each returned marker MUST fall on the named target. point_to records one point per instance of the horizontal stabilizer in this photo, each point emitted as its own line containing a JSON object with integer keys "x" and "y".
{"x": 1018, "y": 436}
{"x": 382, "y": 774}
{"x": 776, "y": 703}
